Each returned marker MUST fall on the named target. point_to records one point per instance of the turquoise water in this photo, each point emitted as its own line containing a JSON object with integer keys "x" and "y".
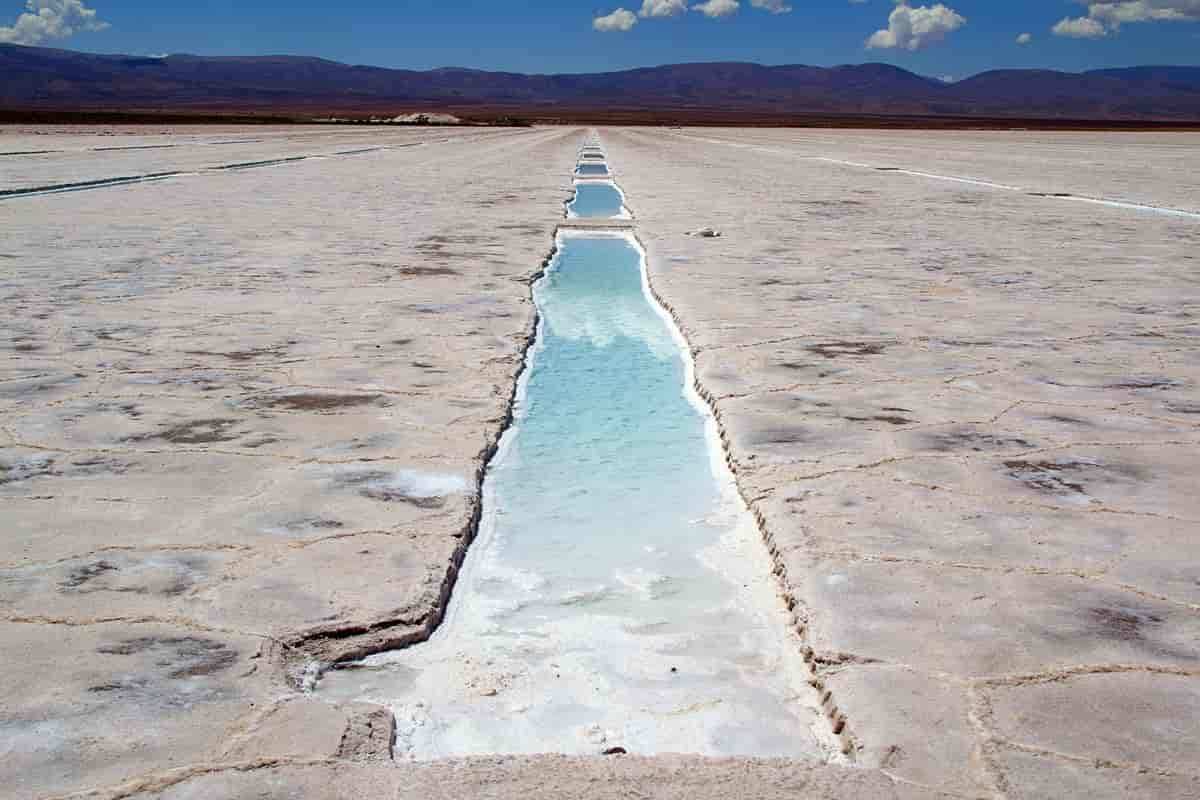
{"x": 592, "y": 169}
{"x": 596, "y": 200}
{"x": 618, "y": 594}
{"x": 604, "y": 404}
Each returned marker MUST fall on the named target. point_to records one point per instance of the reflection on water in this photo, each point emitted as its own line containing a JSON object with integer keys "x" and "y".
{"x": 618, "y": 595}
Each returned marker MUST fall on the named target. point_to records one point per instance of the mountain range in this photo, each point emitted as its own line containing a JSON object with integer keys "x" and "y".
{"x": 52, "y": 79}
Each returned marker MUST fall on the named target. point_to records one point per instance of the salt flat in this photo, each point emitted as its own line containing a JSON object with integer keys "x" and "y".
{"x": 240, "y": 410}
{"x": 1147, "y": 168}
{"x": 244, "y": 414}
{"x": 968, "y": 419}
{"x": 30, "y": 159}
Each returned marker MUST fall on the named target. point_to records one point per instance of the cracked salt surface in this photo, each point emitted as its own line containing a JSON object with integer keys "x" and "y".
{"x": 619, "y": 594}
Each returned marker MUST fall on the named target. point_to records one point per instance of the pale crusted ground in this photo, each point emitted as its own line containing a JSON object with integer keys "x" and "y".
{"x": 242, "y": 418}
{"x": 1147, "y": 168}
{"x": 48, "y": 157}
{"x": 968, "y": 419}
{"x": 530, "y": 778}
{"x": 243, "y": 408}
{"x": 242, "y": 414}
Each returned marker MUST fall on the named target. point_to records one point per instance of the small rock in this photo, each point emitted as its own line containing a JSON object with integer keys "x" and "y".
{"x": 706, "y": 233}
{"x": 616, "y": 751}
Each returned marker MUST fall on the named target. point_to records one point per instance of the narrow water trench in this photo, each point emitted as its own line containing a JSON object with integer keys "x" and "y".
{"x": 592, "y": 169}
{"x": 597, "y": 200}
{"x": 618, "y": 595}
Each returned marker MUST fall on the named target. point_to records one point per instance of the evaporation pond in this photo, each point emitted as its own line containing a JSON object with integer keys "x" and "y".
{"x": 592, "y": 169}
{"x": 596, "y": 200}
{"x": 618, "y": 594}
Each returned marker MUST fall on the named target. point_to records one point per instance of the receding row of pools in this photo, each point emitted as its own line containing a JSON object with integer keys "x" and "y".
{"x": 595, "y": 199}
{"x": 618, "y": 596}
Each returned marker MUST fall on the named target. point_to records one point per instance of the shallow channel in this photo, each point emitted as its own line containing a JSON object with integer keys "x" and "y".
{"x": 597, "y": 199}
{"x": 618, "y": 594}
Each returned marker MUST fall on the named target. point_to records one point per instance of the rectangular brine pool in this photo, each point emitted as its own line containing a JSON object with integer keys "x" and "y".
{"x": 619, "y": 594}
{"x": 597, "y": 200}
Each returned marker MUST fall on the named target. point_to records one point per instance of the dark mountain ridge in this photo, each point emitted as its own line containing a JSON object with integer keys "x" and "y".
{"x": 51, "y": 79}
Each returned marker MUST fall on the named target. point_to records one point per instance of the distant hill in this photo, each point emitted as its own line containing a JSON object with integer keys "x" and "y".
{"x": 43, "y": 78}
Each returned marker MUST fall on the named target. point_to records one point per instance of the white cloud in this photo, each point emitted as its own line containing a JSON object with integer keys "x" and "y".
{"x": 1080, "y": 28}
{"x": 912, "y": 28}
{"x": 51, "y": 19}
{"x": 1025, "y": 38}
{"x": 772, "y": 6}
{"x": 663, "y": 8}
{"x": 623, "y": 20}
{"x": 1107, "y": 17}
{"x": 1145, "y": 11}
{"x": 619, "y": 20}
{"x": 717, "y": 8}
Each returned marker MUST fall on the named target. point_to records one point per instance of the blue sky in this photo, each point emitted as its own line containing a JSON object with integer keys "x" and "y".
{"x": 954, "y": 38}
